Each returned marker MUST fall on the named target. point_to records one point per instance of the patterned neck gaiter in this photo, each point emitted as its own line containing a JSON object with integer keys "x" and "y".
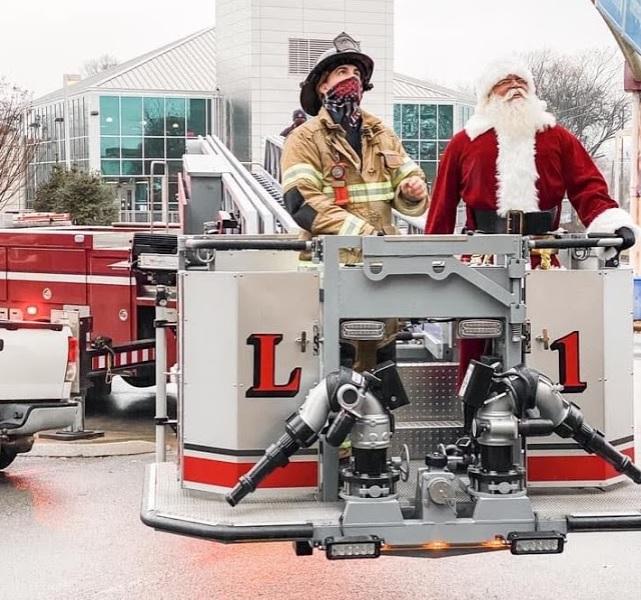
{"x": 343, "y": 102}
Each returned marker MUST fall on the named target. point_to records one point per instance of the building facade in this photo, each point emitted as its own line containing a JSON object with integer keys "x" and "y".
{"x": 426, "y": 116}
{"x": 265, "y": 48}
{"x": 129, "y": 119}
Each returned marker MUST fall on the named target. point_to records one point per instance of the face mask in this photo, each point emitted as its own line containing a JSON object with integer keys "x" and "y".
{"x": 343, "y": 101}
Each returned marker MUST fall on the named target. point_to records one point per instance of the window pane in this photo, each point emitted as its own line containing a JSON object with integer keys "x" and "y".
{"x": 175, "y": 147}
{"x": 428, "y": 150}
{"x": 412, "y": 149}
{"x": 132, "y": 167}
{"x": 109, "y": 115}
{"x": 154, "y": 148}
{"x": 428, "y": 121}
{"x": 445, "y": 122}
{"x": 131, "y": 116}
{"x": 196, "y": 117}
{"x": 410, "y": 121}
{"x": 397, "y": 119}
{"x": 175, "y": 113}
{"x": 175, "y": 167}
{"x": 110, "y": 167}
{"x": 131, "y": 147}
{"x": 154, "y": 116}
{"x": 429, "y": 168}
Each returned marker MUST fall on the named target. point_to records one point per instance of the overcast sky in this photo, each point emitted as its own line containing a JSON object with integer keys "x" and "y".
{"x": 443, "y": 40}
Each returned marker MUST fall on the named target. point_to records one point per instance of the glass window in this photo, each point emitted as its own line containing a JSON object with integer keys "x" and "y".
{"x": 131, "y": 116}
{"x": 175, "y": 147}
{"x": 175, "y": 167}
{"x": 445, "y": 121}
{"x": 131, "y": 147}
{"x": 410, "y": 120}
{"x": 428, "y": 150}
{"x": 412, "y": 149}
{"x": 154, "y": 116}
{"x": 175, "y": 116}
{"x": 196, "y": 117}
{"x": 109, "y": 115}
{"x": 397, "y": 119}
{"x": 109, "y": 147}
{"x": 428, "y": 121}
{"x": 110, "y": 167}
{"x": 429, "y": 168}
{"x": 154, "y": 147}
{"x": 132, "y": 167}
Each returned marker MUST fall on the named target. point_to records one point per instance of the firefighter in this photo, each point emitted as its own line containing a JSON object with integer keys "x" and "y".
{"x": 298, "y": 118}
{"x": 344, "y": 170}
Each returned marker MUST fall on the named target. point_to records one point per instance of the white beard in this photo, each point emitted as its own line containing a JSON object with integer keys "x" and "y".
{"x": 516, "y": 123}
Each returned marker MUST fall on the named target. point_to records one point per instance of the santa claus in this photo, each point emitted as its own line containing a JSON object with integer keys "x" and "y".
{"x": 513, "y": 158}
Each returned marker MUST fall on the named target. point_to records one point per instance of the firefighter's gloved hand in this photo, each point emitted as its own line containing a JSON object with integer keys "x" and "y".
{"x": 627, "y": 234}
{"x": 414, "y": 189}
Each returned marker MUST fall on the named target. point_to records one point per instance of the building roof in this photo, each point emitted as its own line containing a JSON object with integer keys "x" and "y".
{"x": 187, "y": 65}
{"x": 408, "y": 88}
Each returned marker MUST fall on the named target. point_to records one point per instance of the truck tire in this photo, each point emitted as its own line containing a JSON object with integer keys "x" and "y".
{"x": 7, "y": 456}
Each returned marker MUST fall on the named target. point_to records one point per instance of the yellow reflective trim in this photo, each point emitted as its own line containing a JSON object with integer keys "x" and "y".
{"x": 407, "y": 167}
{"x": 352, "y": 225}
{"x": 366, "y": 192}
{"x": 302, "y": 171}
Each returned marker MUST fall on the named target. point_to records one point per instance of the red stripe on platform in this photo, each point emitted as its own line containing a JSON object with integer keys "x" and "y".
{"x": 572, "y": 468}
{"x": 226, "y": 474}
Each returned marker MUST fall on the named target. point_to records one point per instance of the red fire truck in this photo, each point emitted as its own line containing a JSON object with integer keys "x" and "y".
{"x": 91, "y": 270}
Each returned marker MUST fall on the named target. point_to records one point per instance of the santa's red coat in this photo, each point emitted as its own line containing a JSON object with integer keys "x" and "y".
{"x": 468, "y": 172}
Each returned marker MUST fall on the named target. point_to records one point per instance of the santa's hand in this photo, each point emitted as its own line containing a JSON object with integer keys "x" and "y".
{"x": 627, "y": 234}
{"x": 414, "y": 189}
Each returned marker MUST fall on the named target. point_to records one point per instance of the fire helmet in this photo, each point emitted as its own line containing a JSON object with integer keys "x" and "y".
{"x": 345, "y": 52}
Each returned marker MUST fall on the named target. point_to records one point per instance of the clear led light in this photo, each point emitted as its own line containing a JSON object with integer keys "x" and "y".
{"x": 360, "y": 547}
{"x": 363, "y": 330}
{"x": 536, "y": 542}
{"x": 480, "y": 328}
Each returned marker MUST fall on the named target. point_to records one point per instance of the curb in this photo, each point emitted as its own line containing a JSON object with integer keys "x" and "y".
{"x": 93, "y": 450}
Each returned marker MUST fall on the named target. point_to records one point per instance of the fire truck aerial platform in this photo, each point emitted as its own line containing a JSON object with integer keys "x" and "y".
{"x": 279, "y": 441}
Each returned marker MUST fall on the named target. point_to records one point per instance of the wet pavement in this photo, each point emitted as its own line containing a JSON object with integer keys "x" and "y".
{"x": 71, "y": 530}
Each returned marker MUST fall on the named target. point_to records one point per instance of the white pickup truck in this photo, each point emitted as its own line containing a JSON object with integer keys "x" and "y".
{"x": 38, "y": 363}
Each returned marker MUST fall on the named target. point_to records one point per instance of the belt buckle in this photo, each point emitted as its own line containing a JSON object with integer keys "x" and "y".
{"x": 514, "y": 225}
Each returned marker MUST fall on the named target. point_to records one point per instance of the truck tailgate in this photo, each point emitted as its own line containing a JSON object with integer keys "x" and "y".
{"x": 33, "y": 361}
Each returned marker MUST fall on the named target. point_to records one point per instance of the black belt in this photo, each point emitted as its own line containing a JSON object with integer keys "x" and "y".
{"x": 515, "y": 222}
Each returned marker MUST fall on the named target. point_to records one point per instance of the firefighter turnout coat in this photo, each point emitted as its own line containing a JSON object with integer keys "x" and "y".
{"x": 329, "y": 190}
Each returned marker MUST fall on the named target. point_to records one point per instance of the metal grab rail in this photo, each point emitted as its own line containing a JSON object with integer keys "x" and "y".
{"x": 274, "y": 217}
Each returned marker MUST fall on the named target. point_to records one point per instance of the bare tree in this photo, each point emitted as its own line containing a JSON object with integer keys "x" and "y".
{"x": 99, "y": 64}
{"x": 16, "y": 148}
{"x": 584, "y": 92}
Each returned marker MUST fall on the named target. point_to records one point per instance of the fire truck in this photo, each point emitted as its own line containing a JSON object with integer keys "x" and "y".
{"x": 277, "y": 441}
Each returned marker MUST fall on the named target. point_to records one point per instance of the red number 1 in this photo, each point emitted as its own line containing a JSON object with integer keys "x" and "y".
{"x": 569, "y": 375}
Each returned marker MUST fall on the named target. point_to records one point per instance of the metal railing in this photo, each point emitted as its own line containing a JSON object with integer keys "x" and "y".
{"x": 148, "y": 217}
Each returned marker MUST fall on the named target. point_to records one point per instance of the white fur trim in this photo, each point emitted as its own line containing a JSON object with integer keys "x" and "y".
{"x": 516, "y": 175}
{"x": 498, "y": 70}
{"x": 610, "y": 220}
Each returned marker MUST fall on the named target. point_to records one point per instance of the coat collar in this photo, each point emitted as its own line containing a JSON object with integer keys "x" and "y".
{"x": 370, "y": 122}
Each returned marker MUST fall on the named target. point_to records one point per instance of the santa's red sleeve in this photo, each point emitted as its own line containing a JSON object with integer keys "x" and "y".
{"x": 441, "y": 216}
{"x": 587, "y": 190}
